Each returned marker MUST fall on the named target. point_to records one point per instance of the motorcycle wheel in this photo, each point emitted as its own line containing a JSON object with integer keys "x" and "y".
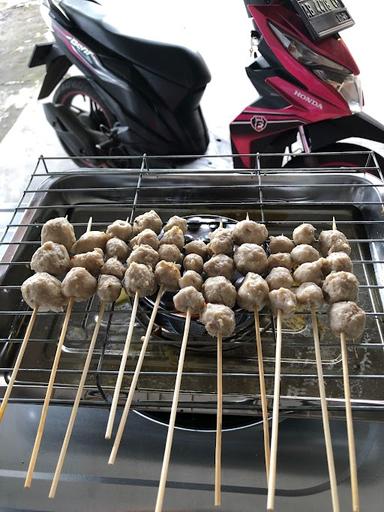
{"x": 78, "y": 94}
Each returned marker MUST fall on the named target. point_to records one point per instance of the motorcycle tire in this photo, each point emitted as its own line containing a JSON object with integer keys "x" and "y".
{"x": 99, "y": 117}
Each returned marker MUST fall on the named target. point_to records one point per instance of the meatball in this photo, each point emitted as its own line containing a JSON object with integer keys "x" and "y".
{"x": 189, "y": 298}
{"x": 44, "y": 292}
{"x": 92, "y": 261}
{"x": 333, "y": 241}
{"x": 283, "y": 300}
{"x": 337, "y": 262}
{"x": 139, "y": 279}
{"x": 193, "y": 262}
{"x": 347, "y": 318}
{"x": 196, "y": 247}
{"x": 221, "y": 243}
{"x": 340, "y": 287}
{"x": 280, "y": 244}
{"x": 169, "y": 252}
{"x": 174, "y": 236}
{"x": 79, "y": 284}
{"x": 304, "y": 234}
{"x": 279, "y": 277}
{"x": 120, "y": 229}
{"x": 248, "y": 231}
{"x": 309, "y": 294}
{"x": 177, "y": 221}
{"x": 253, "y": 292}
{"x": 52, "y": 258}
{"x": 309, "y": 272}
{"x": 108, "y": 288}
{"x": 149, "y": 220}
{"x": 117, "y": 248}
{"x": 144, "y": 254}
{"x": 113, "y": 267}
{"x": 220, "y": 265}
{"x": 250, "y": 258}
{"x": 191, "y": 278}
{"x": 89, "y": 241}
{"x": 60, "y": 231}
{"x": 167, "y": 275}
{"x": 146, "y": 237}
{"x": 280, "y": 259}
{"x": 304, "y": 253}
{"x": 218, "y": 320}
{"x": 218, "y": 290}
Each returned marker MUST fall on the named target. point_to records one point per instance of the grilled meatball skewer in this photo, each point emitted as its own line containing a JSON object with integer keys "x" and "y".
{"x": 311, "y": 296}
{"x": 188, "y": 300}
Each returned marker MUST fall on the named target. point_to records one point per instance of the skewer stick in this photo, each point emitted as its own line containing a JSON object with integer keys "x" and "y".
{"x": 19, "y": 359}
{"x": 135, "y": 378}
{"x": 48, "y": 395}
{"x": 350, "y": 432}
{"x": 171, "y": 426}
{"x": 324, "y": 411}
{"x": 76, "y": 403}
{"x": 334, "y": 227}
{"x": 123, "y": 363}
{"x": 219, "y": 421}
{"x": 89, "y": 225}
{"x": 247, "y": 216}
{"x": 263, "y": 393}
{"x": 275, "y": 417}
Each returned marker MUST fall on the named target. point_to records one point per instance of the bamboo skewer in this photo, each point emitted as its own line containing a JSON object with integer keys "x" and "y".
{"x": 19, "y": 359}
{"x": 123, "y": 363}
{"x": 135, "y": 378}
{"x": 219, "y": 421}
{"x": 263, "y": 394}
{"x": 48, "y": 395}
{"x": 172, "y": 419}
{"x": 275, "y": 418}
{"x": 324, "y": 411}
{"x": 76, "y": 403}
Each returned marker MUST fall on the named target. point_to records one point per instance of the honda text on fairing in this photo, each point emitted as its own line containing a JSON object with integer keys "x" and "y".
{"x": 139, "y": 96}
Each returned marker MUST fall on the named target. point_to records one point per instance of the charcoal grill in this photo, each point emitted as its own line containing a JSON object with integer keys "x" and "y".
{"x": 282, "y": 199}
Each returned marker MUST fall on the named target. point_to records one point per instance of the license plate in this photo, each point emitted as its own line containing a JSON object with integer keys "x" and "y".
{"x": 323, "y": 18}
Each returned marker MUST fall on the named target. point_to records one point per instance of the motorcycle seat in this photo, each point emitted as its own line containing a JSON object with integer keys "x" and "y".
{"x": 175, "y": 63}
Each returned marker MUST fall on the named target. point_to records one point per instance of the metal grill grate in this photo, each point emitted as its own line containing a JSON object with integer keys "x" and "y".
{"x": 280, "y": 198}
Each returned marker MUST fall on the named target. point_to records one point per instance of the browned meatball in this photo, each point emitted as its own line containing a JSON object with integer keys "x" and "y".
{"x": 283, "y": 300}
{"x": 253, "y": 292}
{"x": 191, "y": 278}
{"x": 248, "y": 231}
{"x": 60, "y": 231}
{"x": 280, "y": 244}
{"x": 220, "y": 265}
{"x": 196, "y": 247}
{"x": 280, "y": 259}
{"x": 92, "y": 261}
{"x": 116, "y": 248}
{"x": 79, "y": 284}
{"x": 304, "y": 234}
{"x": 222, "y": 243}
{"x": 218, "y": 320}
{"x": 177, "y": 221}
{"x": 309, "y": 294}
{"x": 113, "y": 267}
{"x": 193, "y": 262}
{"x": 146, "y": 237}
{"x": 279, "y": 277}
{"x": 219, "y": 290}
{"x": 108, "y": 288}
{"x": 169, "y": 252}
{"x": 52, "y": 258}
{"x": 89, "y": 241}
{"x": 309, "y": 272}
{"x": 189, "y": 299}
{"x": 333, "y": 241}
{"x": 120, "y": 229}
{"x": 44, "y": 292}
{"x": 167, "y": 275}
{"x": 174, "y": 236}
{"x": 139, "y": 279}
{"x": 148, "y": 220}
{"x": 304, "y": 253}
{"x": 250, "y": 258}
{"x": 347, "y": 318}
{"x": 340, "y": 287}
{"x": 337, "y": 262}
{"x": 144, "y": 254}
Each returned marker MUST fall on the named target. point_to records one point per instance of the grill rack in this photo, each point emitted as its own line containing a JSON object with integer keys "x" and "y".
{"x": 31, "y": 210}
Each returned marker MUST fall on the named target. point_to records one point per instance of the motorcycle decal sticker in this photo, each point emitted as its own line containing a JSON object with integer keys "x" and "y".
{"x": 259, "y": 123}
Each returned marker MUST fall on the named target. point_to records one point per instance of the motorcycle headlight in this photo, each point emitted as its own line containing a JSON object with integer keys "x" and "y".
{"x": 336, "y": 75}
